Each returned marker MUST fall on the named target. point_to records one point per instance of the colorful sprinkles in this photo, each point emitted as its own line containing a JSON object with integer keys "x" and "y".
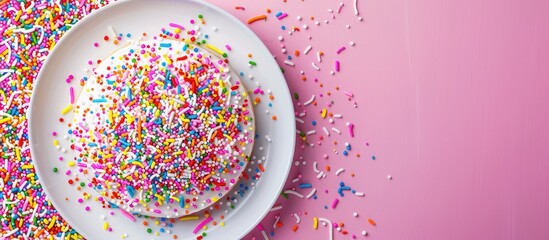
{"x": 29, "y": 32}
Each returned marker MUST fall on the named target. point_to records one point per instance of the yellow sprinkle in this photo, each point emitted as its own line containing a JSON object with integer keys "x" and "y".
{"x": 71, "y": 164}
{"x": 52, "y": 222}
{"x": 315, "y": 223}
{"x": 159, "y": 83}
{"x": 18, "y": 153}
{"x": 158, "y": 196}
{"x": 227, "y": 136}
{"x": 178, "y": 152}
{"x": 215, "y": 49}
{"x": 105, "y": 226}
{"x": 222, "y": 224}
{"x": 27, "y": 166}
{"x": 323, "y": 114}
{"x": 186, "y": 218}
{"x": 66, "y": 110}
{"x": 138, "y": 164}
{"x": 110, "y": 117}
{"x": 4, "y": 120}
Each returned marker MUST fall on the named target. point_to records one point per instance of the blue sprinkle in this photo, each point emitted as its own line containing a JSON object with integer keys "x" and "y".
{"x": 305, "y": 185}
{"x": 130, "y": 190}
{"x": 166, "y": 45}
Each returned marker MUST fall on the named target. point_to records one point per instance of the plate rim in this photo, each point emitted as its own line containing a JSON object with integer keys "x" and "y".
{"x": 240, "y": 24}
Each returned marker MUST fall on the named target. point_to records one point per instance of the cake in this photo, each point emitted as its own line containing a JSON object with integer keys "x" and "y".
{"x": 162, "y": 128}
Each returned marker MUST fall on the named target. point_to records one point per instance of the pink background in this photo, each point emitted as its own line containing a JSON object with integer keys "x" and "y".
{"x": 454, "y": 99}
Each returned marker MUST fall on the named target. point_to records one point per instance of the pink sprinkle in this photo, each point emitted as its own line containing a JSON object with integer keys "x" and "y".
{"x": 337, "y": 66}
{"x": 340, "y": 49}
{"x": 162, "y": 134}
{"x": 157, "y": 211}
{"x": 260, "y": 227}
{"x": 202, "y": 224}
{"x": 334, "y": 203}
{"x": 228, "y": 47}
{"x": 175, "y": 25}
{"x": 69, "y": 78}
{"x": 348, "y": 93}
{"x": 71, "y": 90}
{"x": 282, "y": 16}
{"x": 351, "y": 129}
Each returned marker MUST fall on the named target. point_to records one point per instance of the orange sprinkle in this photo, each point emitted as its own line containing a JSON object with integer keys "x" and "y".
{"x": 256, "y": 18}
{"x": 249, "y": 55}
{"x": 274, "y": 118}
{"x": 268, "y": 10}
{"x": 371, "y": 221}
{"x": 295, "y": 227}
{"x": 261, "y": 168}
{"x": 327, "y": 168}
{"x": 239, "y": 8}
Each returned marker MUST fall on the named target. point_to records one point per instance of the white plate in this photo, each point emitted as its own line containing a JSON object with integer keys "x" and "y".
{"x": 71, "y": 55}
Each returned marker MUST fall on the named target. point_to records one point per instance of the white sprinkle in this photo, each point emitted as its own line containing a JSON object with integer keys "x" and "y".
{"x": 10, "y": 233}
{"x": 355, "y": 214}
{"x": 276, "y": 208}
{"x": 330, "y": 228}
{"x": 364, "y": 233}
{"x": 277, "y": 218}
{"x": 320, "y": 175}
{"x": 355, "y": 5}
{"x": 337, "y": 116}
{"x": 360, "y": 194}
{"x": 311, "y": 193}
{"x": 299, "y": 120}
{"x": 289, "y": 63}
{"x": 307, "y": 49}
{"x": 389, "y": 177}
{"x": 309, "y": 101}
{"x": 295, "y": 180}
{"x": 311, "y": 132}
{"x": 297, "y": 218}
{"x": 315, "y": 167}
{"x": 336, "y": 130}
{"x": 339, "y": 171}
{"x": 315, "y": 66}
{"x": 294, "y": 193}
{"x": 111, "y": 29}
{"x": 318, "y": 57}
{"x": 326, "y": 131}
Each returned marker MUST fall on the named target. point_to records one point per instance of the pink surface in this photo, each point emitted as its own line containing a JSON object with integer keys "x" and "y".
{"x": 453, "y": 97}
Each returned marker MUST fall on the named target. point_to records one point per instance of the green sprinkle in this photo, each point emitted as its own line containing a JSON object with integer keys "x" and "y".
{"x": 296, "y": 96}
{"x": 199, "y": 15}
{"x": 284, "y": 195}
{"x": 149, "y": 230}
{"x": 252, "y": 63}
{"x": 55, "y": 169}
